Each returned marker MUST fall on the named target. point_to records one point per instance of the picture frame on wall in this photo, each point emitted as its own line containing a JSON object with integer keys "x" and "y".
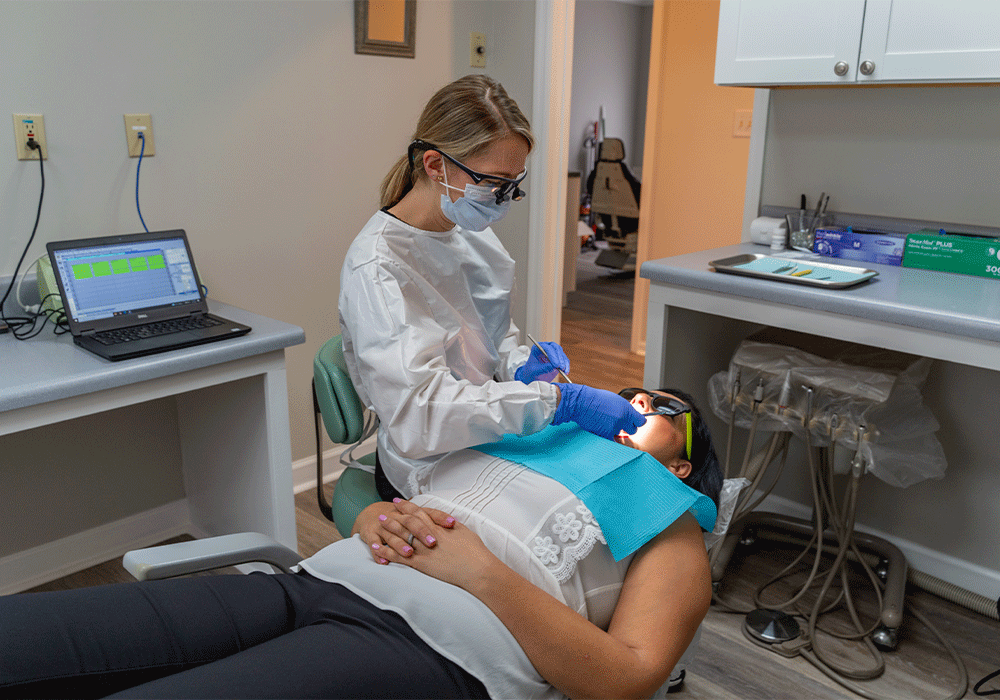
{"x": 385, "y": 27}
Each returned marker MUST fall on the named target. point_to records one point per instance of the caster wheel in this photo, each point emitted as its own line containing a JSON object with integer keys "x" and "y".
{"x": 676, "y": 683}
{"x": 886, "y": 638}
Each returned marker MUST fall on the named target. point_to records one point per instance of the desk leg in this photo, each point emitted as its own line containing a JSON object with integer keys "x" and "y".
{"x": 656, "y": 336}
{"x": 236, "y": 451}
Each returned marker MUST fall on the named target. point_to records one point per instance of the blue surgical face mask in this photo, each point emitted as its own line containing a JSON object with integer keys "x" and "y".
{"x": 476, "y": 209}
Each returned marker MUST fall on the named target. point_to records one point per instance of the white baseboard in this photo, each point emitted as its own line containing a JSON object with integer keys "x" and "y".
{"x": 972, "y": 577}
{"x": 33, "y": 567}
{"x": 304, "y": 470}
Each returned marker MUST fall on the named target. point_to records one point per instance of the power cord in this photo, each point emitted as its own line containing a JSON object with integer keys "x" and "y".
{"x": 58, "y": 317}
{"x": 142, "y": 150}
{"x": 24, "y": 327}
{"x": 978, "y": 690}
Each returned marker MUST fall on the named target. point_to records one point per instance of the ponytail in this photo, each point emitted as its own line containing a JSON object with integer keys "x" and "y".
{"x": 397, "y": 183}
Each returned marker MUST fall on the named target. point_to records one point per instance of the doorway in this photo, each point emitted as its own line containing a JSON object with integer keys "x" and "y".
{"x": 611, "y": 47}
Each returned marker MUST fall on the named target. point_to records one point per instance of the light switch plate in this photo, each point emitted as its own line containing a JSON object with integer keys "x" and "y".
{"x": 477, "y": 50}
{"x": 742, "y": 121}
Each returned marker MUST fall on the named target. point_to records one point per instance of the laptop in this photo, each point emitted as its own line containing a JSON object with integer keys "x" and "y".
{"x": 134, "y": 295}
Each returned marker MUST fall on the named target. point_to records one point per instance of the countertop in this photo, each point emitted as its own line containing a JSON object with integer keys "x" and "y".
{"x": 50, "y": 367}
{"x": 941, "y": 302}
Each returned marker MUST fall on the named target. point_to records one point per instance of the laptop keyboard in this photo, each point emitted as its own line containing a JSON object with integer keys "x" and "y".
{"x": 149, "y": 330}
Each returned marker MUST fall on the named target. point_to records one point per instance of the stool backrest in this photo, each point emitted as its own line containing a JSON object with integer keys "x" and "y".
{"x": 343, "y": 414}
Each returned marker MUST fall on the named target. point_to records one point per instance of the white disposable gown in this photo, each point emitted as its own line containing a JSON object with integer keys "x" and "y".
{"x": 430, "y": 344}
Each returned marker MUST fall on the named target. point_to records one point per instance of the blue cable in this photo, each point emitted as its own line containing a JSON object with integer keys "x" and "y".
{"x": 142, "y": 138}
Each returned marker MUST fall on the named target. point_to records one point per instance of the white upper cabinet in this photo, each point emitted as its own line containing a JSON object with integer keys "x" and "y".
{"x": 815, "y": 42}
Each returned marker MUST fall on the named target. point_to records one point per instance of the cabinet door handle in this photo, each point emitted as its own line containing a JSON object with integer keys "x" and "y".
{"x": 840, "y": 68}
{"x": 867, "y": 67}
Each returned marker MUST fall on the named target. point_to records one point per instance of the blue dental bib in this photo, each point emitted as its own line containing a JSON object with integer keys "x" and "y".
{"x": 632, "y": 496}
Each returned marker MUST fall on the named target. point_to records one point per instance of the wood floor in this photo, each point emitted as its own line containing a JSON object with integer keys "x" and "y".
{"x": 728, "y": 666}
{"x": 597, "y": 326}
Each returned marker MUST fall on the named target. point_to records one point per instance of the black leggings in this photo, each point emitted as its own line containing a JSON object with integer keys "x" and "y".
{"x": 234, "y": 636}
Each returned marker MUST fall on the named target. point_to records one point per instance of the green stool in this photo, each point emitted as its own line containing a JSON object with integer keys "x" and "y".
{"x": 336, "y": 401}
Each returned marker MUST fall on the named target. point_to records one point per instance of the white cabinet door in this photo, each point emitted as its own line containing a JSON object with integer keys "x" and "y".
{"x": 782, "y": 42}
{"x": 930, "y": 40}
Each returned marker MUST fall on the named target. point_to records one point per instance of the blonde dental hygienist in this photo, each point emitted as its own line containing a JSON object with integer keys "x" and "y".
{"x": 425, "y": 298}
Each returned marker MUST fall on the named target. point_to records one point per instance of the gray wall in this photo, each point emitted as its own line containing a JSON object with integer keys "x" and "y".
{"x": 272, "y": 137}
{"x": 913, "y": 152}
{"x": 610, "y": 68}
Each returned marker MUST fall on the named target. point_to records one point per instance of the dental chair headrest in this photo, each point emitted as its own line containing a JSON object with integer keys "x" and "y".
{"x": 612, "y": 149}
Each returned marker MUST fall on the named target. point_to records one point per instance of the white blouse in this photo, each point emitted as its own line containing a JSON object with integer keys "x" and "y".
{"x": 534, "y": 524}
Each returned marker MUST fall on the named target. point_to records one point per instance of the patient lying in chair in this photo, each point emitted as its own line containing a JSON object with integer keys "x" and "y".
{"x": 497, "y": 580}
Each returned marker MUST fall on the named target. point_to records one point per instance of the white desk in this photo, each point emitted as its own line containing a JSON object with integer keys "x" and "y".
{"x": 697, "y": 317}
{"x": 233, "y": 432}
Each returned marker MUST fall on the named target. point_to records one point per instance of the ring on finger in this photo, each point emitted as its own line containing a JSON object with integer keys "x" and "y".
{"x": 409, "y": 540}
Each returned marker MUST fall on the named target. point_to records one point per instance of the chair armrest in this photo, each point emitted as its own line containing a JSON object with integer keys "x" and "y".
{"x": 192, "y": 557}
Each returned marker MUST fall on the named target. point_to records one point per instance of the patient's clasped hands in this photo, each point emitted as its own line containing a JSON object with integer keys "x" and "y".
{"x": 441, "y": 547}
{"x": 393, "y": 529}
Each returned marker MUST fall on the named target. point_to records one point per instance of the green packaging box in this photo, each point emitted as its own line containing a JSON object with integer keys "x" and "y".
{"x": 964, "y": 253}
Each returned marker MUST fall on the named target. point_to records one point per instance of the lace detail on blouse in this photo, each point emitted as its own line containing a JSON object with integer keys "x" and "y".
{"x": 565, "y": 539}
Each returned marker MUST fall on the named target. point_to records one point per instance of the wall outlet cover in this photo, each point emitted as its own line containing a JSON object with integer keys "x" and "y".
{"x": 134, "y": 125}
{"x": 33, "y": 126}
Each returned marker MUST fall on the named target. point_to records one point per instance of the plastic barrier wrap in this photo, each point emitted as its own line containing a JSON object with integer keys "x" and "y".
{"x": 728, "y": 496}
{"x": 881, "y": 403}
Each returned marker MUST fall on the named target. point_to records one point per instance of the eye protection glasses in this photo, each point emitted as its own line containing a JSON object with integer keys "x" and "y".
{"x": 665, "y": 406}
{"x": 504, "y": 188}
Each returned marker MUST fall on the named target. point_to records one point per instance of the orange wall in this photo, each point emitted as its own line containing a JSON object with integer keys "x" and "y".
{"x": 694, "y": 170}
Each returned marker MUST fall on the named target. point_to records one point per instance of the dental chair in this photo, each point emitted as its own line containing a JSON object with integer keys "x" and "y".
{"x": 614, "y": 200}
{"x": 337, "y": 406}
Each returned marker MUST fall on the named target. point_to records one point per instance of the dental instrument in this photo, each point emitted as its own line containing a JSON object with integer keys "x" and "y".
{"x": 546, "y": 356}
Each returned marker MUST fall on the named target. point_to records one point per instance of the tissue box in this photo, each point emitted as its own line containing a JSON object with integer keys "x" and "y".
{"x": 963, "y": 253}
{"x": 868, "y": 246}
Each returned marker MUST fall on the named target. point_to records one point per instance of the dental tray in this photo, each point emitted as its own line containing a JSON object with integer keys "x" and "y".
{"x": 814, "y": 274}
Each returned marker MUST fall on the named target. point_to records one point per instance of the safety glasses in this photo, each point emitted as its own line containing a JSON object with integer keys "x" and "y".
{"x": 503, "y": 187}
{"x": 665, "y": 406}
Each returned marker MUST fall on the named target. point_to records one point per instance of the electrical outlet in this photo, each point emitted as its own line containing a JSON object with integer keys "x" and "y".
{"x": 136, "y": 124}
{"x": 29, "y": 126}
{"x": 742, "y": 122}
{"x": 477, "y": 50}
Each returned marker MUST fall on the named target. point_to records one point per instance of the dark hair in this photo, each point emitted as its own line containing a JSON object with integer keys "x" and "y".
{"x": 706, "y": 472}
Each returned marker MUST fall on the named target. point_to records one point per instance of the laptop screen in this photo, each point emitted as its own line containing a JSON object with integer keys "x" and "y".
{"x": 107, "y": 279}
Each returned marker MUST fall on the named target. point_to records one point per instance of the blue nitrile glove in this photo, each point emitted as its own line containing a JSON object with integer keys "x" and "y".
{"x": 538, "y": 368}
{"x": 597, "y": 411}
